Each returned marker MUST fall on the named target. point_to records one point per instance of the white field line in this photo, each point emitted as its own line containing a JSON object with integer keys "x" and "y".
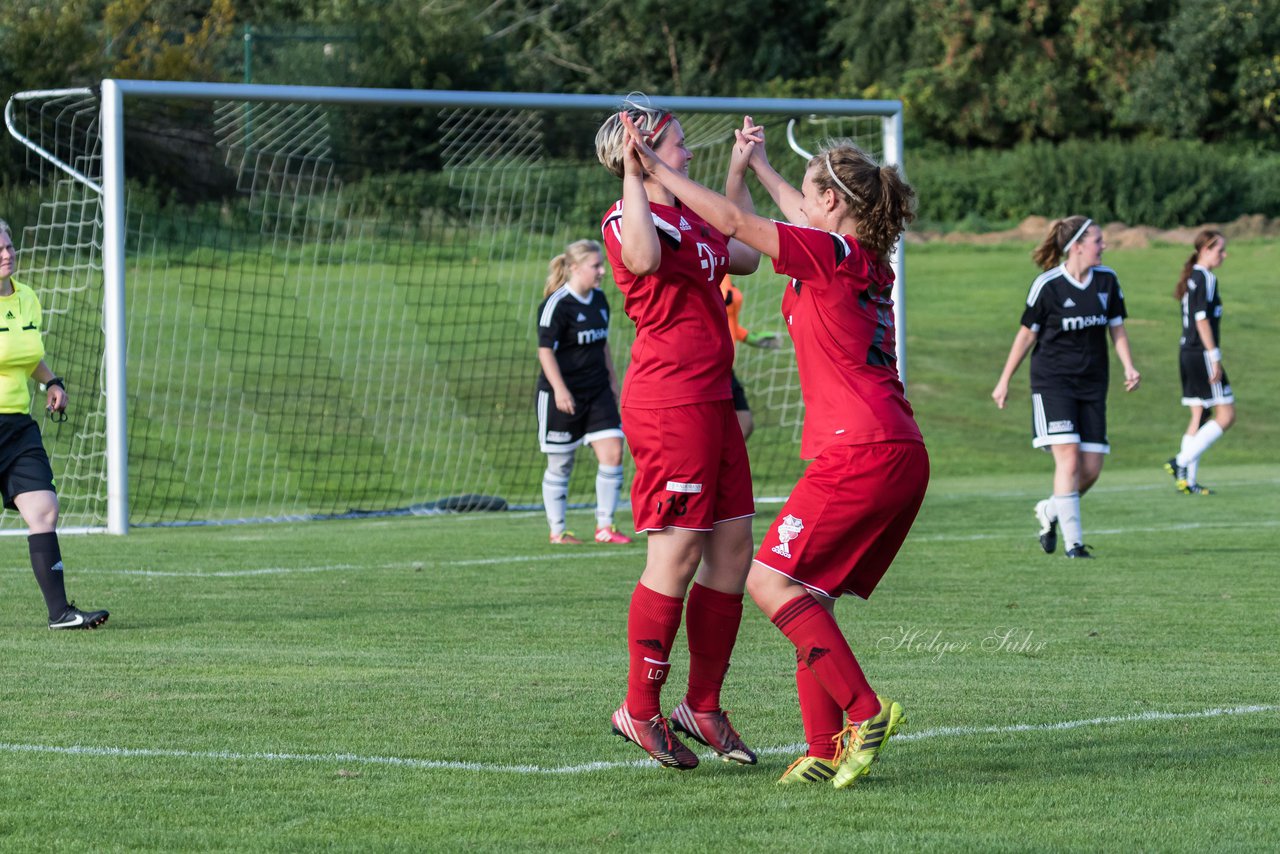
{"x": 444, "y": 765}
{"x": 635, "y": 551}
{"x": 339, "y": 567}
{"x": 1148, "y": 529}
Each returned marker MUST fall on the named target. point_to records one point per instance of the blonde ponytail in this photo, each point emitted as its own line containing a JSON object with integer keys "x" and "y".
{"x": 559, "y": 268}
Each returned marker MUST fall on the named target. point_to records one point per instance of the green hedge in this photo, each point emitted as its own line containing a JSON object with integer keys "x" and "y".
{"x": 1162, "y": 184}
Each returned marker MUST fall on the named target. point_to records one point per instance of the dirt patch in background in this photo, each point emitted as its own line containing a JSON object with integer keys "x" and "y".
{"x": 1118, "y": 235}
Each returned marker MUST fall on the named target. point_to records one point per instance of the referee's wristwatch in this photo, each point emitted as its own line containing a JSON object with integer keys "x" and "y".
{"x": 52, "y": 381}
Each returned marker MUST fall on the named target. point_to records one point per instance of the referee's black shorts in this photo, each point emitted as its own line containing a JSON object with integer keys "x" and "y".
{"x": 24, "y": 463}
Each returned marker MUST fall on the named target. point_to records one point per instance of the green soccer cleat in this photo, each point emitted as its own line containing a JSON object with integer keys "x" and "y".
{"x": 1197, "y": 489}
{"x": 808, "y": 769}
{"x": 859, "y": 745}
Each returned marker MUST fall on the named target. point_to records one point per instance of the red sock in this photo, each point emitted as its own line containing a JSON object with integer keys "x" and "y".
{"x": 822, "y": 716}
{"x": 711, "y": 622}
{"x": 652, "y": 623}
{"x": 826, "y": 653}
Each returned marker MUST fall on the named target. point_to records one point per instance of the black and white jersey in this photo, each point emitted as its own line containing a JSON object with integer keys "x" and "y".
{"x": 577, "y": 329}
{"x": 1070, "y": 319}
{"x": 1201, "y": 302}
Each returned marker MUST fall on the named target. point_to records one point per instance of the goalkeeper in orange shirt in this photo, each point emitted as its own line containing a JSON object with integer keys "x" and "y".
{"x": 763, "y": 340}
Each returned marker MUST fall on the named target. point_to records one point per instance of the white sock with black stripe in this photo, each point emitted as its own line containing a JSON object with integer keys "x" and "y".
{"x": 608, "y": 488}
{"x": 555, "y": 490}
{"x": 1068, "y": 509}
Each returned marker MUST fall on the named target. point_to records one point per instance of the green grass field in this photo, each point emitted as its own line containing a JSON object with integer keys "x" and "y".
{"x": 442, "y": 684}
{"x": 266, "y": 384}
{"x": 445, "y": 683}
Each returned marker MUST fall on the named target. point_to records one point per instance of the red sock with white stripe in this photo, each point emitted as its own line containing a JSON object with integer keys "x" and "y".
{"x": 652, "y": 623}
{"x": 824, "y": 650}
{"x": 711, "y": 623}
{"x": 822, "y": 716}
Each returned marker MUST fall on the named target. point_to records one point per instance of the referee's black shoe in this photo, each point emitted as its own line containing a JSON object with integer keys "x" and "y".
{"x": 1079, "y": 551}
{"x": 74, "y": 618}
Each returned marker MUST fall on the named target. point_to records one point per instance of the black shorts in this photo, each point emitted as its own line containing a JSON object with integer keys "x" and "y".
{"x": 1196, "y": 388}
{"x": 24, "y": 464}
{"x": 596, "y": 417}
{"x": 739, "y": 395}
{"x": 1067, "y": 420}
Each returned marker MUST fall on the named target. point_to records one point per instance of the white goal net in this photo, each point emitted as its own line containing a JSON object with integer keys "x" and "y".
{"x": 329, "y": 306}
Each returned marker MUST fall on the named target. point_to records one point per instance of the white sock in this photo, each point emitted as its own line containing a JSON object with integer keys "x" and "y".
{"x": 1068, "y": 509}
{"x": 1193, "y": 449}
{"x": 608, "y": 488}
{"x": 1187, "y": 439}
{"x": 555, "y": 490}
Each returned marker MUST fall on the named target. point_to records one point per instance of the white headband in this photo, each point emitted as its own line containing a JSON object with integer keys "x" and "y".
{"x": 826, "y": 158}
{"x": 1087, "y": 222}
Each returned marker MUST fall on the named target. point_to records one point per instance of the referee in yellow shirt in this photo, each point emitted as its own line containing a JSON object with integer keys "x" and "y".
{"x": 26, "y": 478}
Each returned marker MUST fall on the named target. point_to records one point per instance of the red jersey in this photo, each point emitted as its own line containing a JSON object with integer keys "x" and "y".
{"x": 683, "y": 353}
{"x": 840, "y": 317}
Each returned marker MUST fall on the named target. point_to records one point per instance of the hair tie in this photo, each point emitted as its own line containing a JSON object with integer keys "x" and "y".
{"x": 1087, "y": 222}
{"x": 826, "y": 158}
{"x": 652, "y": 136}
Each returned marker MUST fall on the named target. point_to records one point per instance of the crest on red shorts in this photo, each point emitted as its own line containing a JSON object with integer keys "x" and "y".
{"x": 788, "y": 529}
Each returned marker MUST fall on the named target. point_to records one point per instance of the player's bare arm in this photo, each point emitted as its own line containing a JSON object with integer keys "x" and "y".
{"x": 1205, "y": 330}
{"x": 721, "y": 213}
{"x": 641, "y": 251}
{"x": 551, "y": 369}
{"x": 1120, "y": 340}
{"x": 742, "y": 258}
{"x": 785, "y": 196}
{"x": 1022, "y": 344}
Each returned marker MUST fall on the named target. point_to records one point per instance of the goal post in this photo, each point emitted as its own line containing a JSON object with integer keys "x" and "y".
{"x": 239, "y": 341}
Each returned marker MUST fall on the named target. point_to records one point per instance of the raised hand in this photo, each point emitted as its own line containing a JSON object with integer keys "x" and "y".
{"x": 637, "y": 149}
{"x": 751, "y": 137}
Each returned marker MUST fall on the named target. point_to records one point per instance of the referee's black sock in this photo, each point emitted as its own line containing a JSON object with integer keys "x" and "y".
{"x": 46, "y": 563}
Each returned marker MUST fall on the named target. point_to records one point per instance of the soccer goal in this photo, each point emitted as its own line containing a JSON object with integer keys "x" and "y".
{"x": 285, "y": 302}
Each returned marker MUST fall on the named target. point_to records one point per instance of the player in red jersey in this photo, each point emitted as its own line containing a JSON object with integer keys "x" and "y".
{"x": 692, "y": 490}
{"x": 848, "y": 516}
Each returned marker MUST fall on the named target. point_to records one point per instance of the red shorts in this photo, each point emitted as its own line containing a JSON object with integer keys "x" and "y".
{"x": 691, "y": 466}
{"x": 848, "y": 516}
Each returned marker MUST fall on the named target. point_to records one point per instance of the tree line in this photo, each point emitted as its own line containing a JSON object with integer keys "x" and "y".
{"x": 975, "y": 75}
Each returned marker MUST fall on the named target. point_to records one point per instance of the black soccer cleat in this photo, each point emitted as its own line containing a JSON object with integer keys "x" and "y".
{"x": 74, "y": 618}
{"x": 1178, "y": 473}
{"x": 1079, "y": 551}
{"x": 1048, "y": 527}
